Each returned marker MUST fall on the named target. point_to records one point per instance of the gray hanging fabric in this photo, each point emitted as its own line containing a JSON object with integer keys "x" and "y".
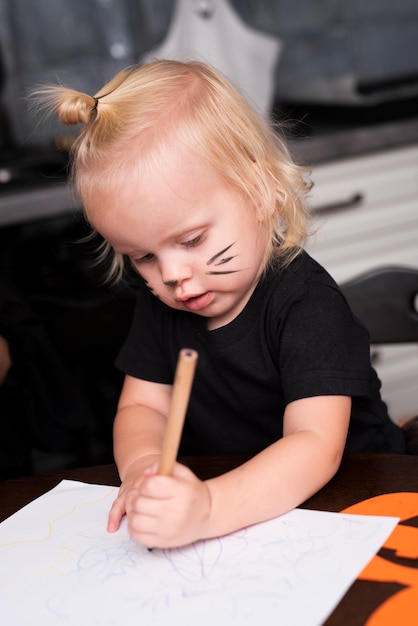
{"x": 211, "y": 31}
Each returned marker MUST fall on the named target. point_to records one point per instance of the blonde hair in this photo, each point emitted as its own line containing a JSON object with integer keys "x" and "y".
{"x": 133, "y": 118}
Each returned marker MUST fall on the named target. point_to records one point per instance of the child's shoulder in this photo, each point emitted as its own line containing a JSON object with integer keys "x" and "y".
{"x": 303, "y": 272}
{"x": 303, "y": 282}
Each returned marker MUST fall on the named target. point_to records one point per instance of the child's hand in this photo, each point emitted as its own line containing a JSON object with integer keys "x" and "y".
{"x": 132, "y": 481}
{"x": 168, "y": 511}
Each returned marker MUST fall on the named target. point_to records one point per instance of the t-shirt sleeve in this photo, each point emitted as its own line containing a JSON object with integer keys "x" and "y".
{"x": 323, "y": 348}
{"x": 144, "y": 353}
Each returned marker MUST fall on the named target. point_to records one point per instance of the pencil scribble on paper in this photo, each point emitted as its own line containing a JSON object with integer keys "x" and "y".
{"x": 58, "y": 562}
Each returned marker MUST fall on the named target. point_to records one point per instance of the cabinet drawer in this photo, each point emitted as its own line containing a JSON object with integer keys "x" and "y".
{"x": 374, "y": 178}
{"x": 379, "y": 226}
{"x": 347, "y": 245}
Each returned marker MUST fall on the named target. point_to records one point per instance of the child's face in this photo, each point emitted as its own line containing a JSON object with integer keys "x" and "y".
{"x": 194, "y": 240}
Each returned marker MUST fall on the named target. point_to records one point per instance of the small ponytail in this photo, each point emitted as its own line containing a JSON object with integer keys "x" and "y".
{"x": 71, "y": 106}
{"x": 74, "y": 107}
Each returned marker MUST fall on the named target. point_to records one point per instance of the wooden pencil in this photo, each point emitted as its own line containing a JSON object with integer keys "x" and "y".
{"x": 182, "y": 386}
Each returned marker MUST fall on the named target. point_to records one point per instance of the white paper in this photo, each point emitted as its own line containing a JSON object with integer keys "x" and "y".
{"x": 58, "y": 565}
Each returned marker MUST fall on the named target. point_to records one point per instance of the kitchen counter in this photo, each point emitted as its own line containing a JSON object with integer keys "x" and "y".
{"x": 338, "y": 143}
{"x": 311, "y": 142}
{"x": 38, "y": 202}
{"x": 34, "y": 185}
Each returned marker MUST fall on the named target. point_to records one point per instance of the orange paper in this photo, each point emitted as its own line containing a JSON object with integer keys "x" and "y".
{"x": 401, "y": 608}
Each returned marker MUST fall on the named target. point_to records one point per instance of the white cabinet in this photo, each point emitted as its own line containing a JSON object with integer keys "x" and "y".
{"x": 366, "y": 215}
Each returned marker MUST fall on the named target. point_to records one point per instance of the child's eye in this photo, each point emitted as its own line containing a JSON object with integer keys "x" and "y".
{"x": 144, "y": 259}
{"x": 191, "y": 243}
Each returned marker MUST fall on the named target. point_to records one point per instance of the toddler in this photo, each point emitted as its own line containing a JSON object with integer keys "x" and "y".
{"x": 190, "y": 187}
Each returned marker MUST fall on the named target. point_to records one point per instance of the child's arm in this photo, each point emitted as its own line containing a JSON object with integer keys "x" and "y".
{"x": 173, "y": 511}
{"x": 288, "y": 472}
{"x": 137, "y": 434}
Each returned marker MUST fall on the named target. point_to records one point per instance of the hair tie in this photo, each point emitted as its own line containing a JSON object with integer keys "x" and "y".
{"x": 97, "y": 98}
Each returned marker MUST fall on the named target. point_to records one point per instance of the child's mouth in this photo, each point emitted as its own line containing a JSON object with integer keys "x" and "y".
{"x": 195, "y": 303}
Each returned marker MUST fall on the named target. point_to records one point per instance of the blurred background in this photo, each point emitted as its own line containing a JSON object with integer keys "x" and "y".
{"x": 343, "y": 76}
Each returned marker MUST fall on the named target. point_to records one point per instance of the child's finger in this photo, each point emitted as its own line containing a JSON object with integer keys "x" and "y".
{"x": 116, "y": 513}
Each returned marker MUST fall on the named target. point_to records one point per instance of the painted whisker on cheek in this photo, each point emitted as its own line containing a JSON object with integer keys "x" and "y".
{"x": 221, "y": 261}
{"x": 218, "y": 259}
{"x": 148, "y": 286}
{"x": 225, "y": 272}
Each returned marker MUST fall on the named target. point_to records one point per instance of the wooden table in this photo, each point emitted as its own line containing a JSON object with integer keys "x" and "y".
{"x": 361, "y": 476}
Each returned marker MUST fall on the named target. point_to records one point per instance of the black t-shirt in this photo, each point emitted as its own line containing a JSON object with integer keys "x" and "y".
{"x": 296, "y": 338}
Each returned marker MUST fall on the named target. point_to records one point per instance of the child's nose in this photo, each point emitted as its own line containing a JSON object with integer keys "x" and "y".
{"x": 174, "y": 271}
